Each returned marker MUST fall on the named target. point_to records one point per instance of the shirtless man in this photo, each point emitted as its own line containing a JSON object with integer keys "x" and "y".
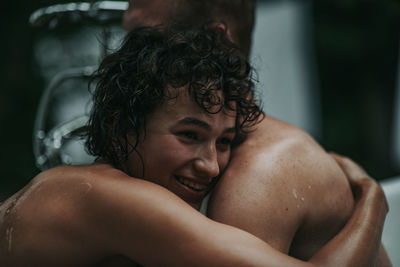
{"x": 167, "y": 108}
{"x": 280, "y": 185}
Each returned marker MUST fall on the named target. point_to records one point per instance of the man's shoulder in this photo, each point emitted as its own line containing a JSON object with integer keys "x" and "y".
{"x": 271, "y": 131}
{"x": 281, "y": 150}
{"x": 284, "y": 160}
{"x": 287, "y": 149}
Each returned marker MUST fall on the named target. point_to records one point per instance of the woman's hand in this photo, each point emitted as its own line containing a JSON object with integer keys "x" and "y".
{"x": 360, "y": 182}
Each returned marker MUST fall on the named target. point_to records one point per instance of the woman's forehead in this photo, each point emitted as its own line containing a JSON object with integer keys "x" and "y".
{"x": 209, "y": 101}
{"x": 183, "y": 105}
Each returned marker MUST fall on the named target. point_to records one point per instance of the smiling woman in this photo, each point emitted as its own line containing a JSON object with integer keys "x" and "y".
{"x": 190, "y": 146}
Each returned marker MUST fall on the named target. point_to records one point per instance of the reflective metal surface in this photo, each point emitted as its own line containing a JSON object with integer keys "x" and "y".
{"x": 71, "y": 40}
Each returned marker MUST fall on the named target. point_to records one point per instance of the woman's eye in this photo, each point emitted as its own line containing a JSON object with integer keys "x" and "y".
{"x": 225, "y": 141}
{"x": 189, "y": 135}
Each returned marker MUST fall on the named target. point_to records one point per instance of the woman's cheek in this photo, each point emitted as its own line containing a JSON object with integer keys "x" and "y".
{"x": 175, "y": 149}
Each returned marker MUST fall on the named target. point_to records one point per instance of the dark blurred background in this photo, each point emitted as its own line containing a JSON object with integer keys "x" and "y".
{"x": 357, "y": 45}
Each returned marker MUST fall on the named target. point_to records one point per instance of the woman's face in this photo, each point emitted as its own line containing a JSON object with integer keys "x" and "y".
{"x": 184, "y": 148}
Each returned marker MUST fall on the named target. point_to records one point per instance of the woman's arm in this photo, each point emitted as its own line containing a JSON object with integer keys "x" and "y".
{"x": 152, "y": 226}
{"x": 360, "y": 247}
{"x": 359, "y": 241}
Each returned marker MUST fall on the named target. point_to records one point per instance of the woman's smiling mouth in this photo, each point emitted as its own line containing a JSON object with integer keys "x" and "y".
{"x": 198, "y": 187}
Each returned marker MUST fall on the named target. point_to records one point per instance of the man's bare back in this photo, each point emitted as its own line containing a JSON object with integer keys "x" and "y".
{"x": 284, "y": 188}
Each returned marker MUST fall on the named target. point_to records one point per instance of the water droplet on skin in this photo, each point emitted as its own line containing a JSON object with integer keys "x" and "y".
{"x": 89, "y": 186}
{"x": 9, "y": 233}
{"x": 294, "y": 193}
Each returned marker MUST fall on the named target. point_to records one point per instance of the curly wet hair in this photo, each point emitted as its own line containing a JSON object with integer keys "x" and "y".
{"x": 133, "y": 81}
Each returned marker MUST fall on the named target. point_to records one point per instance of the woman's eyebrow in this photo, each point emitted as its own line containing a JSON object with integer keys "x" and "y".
{"x": 202, "y": 124}
{"x": 196, "y": 122}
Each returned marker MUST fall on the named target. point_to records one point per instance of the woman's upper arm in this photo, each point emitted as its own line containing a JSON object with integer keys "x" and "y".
{"x": 152, "y": 226}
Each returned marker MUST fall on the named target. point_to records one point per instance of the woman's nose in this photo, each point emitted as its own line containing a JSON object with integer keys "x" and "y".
{"x": 206, "y": 164}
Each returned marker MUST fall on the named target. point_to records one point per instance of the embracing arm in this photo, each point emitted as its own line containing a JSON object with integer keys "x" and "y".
{"x": 152, "y": 226}
{"x": 368, "y": 194}
{"x": 359, "y": 241}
